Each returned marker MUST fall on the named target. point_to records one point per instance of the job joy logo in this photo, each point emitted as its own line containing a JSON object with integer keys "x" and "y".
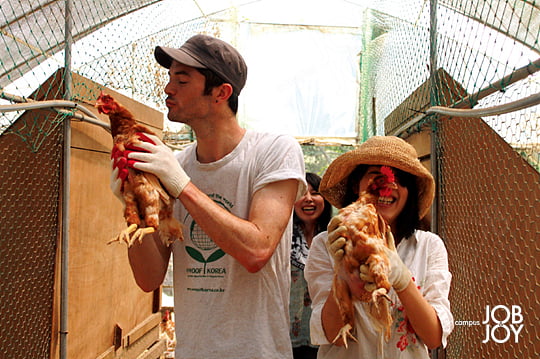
{"x": 503, "y": 323}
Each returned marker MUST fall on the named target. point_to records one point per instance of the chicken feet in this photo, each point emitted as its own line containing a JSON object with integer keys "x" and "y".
{"x": 345, "y": 333}
{"x": 138, "y": 234}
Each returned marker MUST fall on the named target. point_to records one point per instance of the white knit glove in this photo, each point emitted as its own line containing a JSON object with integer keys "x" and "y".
{"x": 336, "y": 241}
{"x": 160, "y": 161}
{"x": 399, "y": 276}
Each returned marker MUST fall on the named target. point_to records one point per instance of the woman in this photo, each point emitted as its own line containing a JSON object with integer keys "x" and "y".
{"x": 311, "y": 215}
{"x": 419, "y": 269}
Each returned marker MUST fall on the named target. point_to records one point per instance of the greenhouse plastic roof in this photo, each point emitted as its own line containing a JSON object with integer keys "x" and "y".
{"x": 36, "y": 29}
{"x": 24, "y": 21}
{"x": 34, "y": 32}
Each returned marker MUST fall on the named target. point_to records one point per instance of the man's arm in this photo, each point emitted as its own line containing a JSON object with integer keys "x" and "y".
{"x": 250, "y": 241}
{"x": 149, "y": 261}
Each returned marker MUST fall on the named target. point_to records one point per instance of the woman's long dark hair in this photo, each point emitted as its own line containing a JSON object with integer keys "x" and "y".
{"x": 408, "y": 220}
{"x": 322, "y": 222}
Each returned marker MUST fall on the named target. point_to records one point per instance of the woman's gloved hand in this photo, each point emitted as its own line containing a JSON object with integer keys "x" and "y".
{"x": 399, "y": 276}
{"x": 336, "y": 240}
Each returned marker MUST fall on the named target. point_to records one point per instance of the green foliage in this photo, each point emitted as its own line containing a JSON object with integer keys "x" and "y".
{"x": 318, "y": 158}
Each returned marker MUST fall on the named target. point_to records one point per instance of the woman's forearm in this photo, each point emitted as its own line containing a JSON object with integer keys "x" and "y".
{"x": 421, "y": 316}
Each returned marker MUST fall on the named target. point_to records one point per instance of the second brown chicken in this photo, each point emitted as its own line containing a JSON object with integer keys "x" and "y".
{"x": 366, "y": 239}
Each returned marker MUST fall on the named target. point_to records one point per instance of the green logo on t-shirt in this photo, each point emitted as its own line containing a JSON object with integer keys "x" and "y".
{"x": 204, "y": 243}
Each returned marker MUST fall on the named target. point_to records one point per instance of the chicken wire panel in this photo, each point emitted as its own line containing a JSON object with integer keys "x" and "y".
{"x": 31, "y": 129}
{"x": 490, "y": 221}
{"x": 29, "y": 197}
{"x": 478, "y": 61}
{"x": 34, "y": 30}
{"x": 393, "y": 65}
{"x": 131, "y": 68}
{"x": 520, "y": 129}
{"x": 109, "y": 57}
{"x": 517, "y": 19}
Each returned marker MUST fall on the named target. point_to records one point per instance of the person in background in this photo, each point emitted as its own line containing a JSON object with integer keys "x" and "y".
{"x": 311, "y": 216}
{"x": 236, "y": 189}
{"x": 419, "y": 272}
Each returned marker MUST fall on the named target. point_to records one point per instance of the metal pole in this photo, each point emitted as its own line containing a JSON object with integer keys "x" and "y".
{"x": 65, "y": 188}
{"x": 434, "y": 101}
{"x": 471, "y": 100}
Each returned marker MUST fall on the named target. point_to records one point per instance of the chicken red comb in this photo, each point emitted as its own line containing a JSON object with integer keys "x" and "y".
{"x": 389, "y": 178}
{"x": 387, "y": 171}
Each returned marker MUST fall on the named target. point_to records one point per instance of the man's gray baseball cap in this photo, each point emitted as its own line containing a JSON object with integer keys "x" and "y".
{"x": 207, "y": 52}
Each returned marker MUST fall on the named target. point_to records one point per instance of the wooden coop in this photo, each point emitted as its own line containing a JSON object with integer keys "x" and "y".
{"x": 108, "y": 315}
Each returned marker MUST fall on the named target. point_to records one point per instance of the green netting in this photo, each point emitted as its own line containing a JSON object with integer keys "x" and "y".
{"x": 483, "y": 54}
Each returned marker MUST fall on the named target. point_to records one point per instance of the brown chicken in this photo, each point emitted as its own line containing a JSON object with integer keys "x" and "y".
{"x": 365, "y": 242}
{"x": 149, "y": 207}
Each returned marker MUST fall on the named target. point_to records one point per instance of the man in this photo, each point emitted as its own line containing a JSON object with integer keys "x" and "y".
{"x": 236, "y": 190}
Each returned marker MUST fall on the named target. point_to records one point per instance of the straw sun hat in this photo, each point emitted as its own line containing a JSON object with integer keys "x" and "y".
{"x": 378, "y": 150}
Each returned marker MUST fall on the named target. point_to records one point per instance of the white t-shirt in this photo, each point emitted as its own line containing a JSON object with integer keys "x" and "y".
{"x": 221, "y": 310}
{"x": 425, "y": 255}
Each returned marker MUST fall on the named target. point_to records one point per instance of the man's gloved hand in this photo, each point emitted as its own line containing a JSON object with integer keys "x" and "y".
{"x": 160, "y": 161}
{"x": 399, "y": 276}
{"x": 120, "y": 165}
{"x": 336, "y": 241}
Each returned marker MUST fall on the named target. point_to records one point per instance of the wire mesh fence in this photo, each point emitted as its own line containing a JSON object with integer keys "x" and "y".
{"x": 489, "y": 200}
{"x": 415, "y": 55}
{"x": 29, "y": 228}
{"x": 482, "y": 54}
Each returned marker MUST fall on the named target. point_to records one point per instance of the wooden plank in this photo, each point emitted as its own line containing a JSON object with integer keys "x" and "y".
{"x": 155, "y": 351}
{"x": 141, "y": 342}
{"x": 102, "y": 287}
{"x": 107, "y": 354}
{"x": 421, "y": 141}
{"x": 136, "y": 348}
{"x": 419, "y": 100}
{"x": 141, "y": 329}
{"x": 102, "y": 290}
